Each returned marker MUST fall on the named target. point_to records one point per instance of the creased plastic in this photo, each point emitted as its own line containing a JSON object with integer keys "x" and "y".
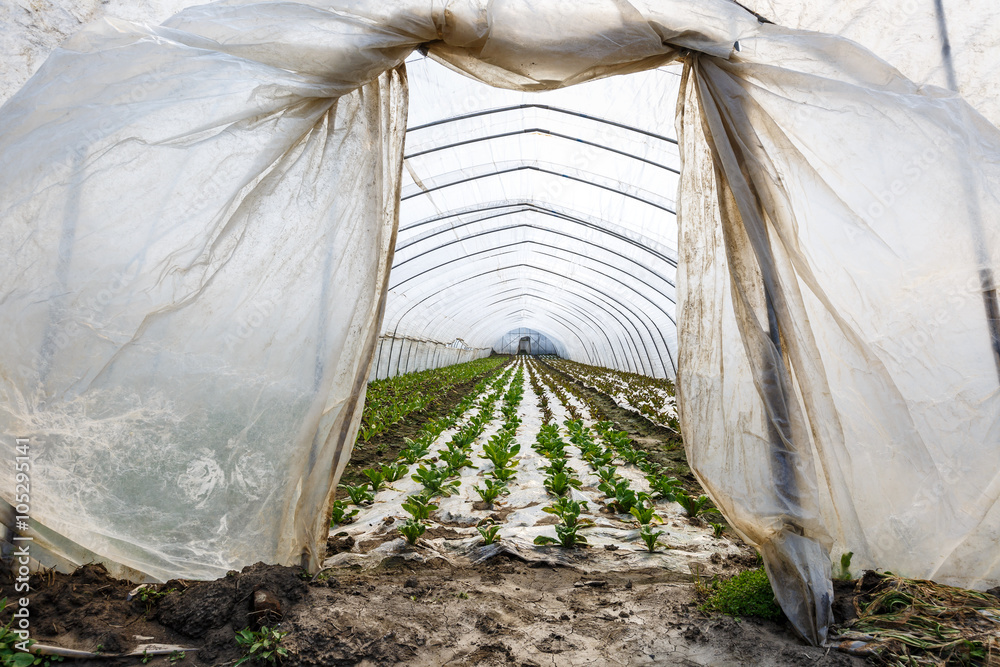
{"x": 199, "y": 220}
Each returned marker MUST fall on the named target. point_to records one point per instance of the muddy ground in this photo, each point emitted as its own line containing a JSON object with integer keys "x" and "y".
{"x": 501, "y": 612}
{"x": 419, "y": 608}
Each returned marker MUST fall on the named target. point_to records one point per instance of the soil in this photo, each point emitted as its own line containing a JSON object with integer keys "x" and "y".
{"x": 663, "y": 445}
{"x": 384, "y": 448}
{"x": 496, "y": 607}
{"x": 501, "y": 612}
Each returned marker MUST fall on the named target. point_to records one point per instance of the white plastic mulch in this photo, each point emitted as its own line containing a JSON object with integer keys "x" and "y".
{"x": 613, "y": 541}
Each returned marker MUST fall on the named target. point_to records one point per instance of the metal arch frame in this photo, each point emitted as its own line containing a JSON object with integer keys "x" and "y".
{"x": 523, "y": 167}
{"x": 591, "y": 354}
{"x": 612, "y": 302}
{"x": 512, "y": 289}
{"x": 548, "y": 230}
{"x": 579, "y": 313}
{"x": 569, "y": 308}
{"x": 589, "y": 319}
{"x": 536, "y": 208}
{"x": 539, "y": 130}
{"x": 520, "y": 290}
{"x": 521, "y": 332}
{"x": 575, "y": 310}
{"x": 547, "y": 107}
{"x": 618, "y": 306}
{"x": 652, "y": 338}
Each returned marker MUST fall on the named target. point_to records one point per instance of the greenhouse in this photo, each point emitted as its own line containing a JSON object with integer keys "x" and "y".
{"x": 626, "y": 304}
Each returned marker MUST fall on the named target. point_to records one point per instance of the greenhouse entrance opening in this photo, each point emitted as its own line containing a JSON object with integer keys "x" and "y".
{"x": 264, "y": 248}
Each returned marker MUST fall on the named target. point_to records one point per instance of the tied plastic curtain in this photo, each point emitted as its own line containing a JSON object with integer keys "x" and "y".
{"x": 839, "y": 377}
{"x": 200, "y": 217}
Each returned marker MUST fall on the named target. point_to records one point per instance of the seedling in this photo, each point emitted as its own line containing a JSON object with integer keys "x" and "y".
{"x": 359, "y": 494}
{"x": 568, "y": 510}
{"x": 633, "y": 456}
{"x": 650, "y": 538}
{"x": 435, "y": 481}
{"x": 566, "y": 536}
{"x": 717, "y": 529}
{"x": 645, "y": 515}
{"x": 418, "y": 506}
{"x": 665, "y": 488}
{"x": 614, "y": 487}
{"x": 500, "y": 454}
{"x": 492, "y": 490}
{"x": 262, "y": 646}
{"x": 608, "y": 474}
{"x": 340, "y": 513}
{"x": 560, "y": 483}
{"x": 412, "y": 530}
{"x": 394, "y": 472}
{"x": 376, "y": 477}
{"x": 456, "y": 460}
{"x": 625, "y": 499}
{"x": 489, "y": 533}
{"x": 411, "y": 455}
{"x": 555, "y": 466}
{"x": 503, "y": 474}
{"x": 692, "y": 506}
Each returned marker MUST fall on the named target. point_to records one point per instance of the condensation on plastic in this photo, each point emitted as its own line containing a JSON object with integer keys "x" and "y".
{"x": 203, "y": 231}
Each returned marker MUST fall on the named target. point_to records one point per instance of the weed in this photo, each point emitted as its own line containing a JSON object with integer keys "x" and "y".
{"x": 844, "y": 573}
{"x": 261, "y": 646}
{"x": 150, "y": 596}
{"x": 11, "y": 646}
{"x": 747, "y": 594}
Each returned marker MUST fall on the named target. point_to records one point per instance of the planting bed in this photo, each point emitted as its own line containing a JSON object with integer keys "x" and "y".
{"x": 524, "y": 459}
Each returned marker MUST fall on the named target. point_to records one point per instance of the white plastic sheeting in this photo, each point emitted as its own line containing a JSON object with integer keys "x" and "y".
{"x": 837, "y": 245}
{"x": 539, "y": 211}
{"x": 396, "y": 356}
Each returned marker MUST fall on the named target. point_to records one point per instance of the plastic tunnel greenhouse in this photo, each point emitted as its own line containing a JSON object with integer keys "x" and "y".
{"x": 221, "y": 221}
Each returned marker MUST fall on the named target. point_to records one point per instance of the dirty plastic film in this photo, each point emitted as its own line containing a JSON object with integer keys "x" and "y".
{"x": 215, "y": 239}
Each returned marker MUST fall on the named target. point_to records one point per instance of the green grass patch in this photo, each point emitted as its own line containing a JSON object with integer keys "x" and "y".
{"x": 746, "y": 594}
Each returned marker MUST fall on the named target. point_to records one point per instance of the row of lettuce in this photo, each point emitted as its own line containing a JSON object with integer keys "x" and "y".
{"x": 602, "y": 447}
